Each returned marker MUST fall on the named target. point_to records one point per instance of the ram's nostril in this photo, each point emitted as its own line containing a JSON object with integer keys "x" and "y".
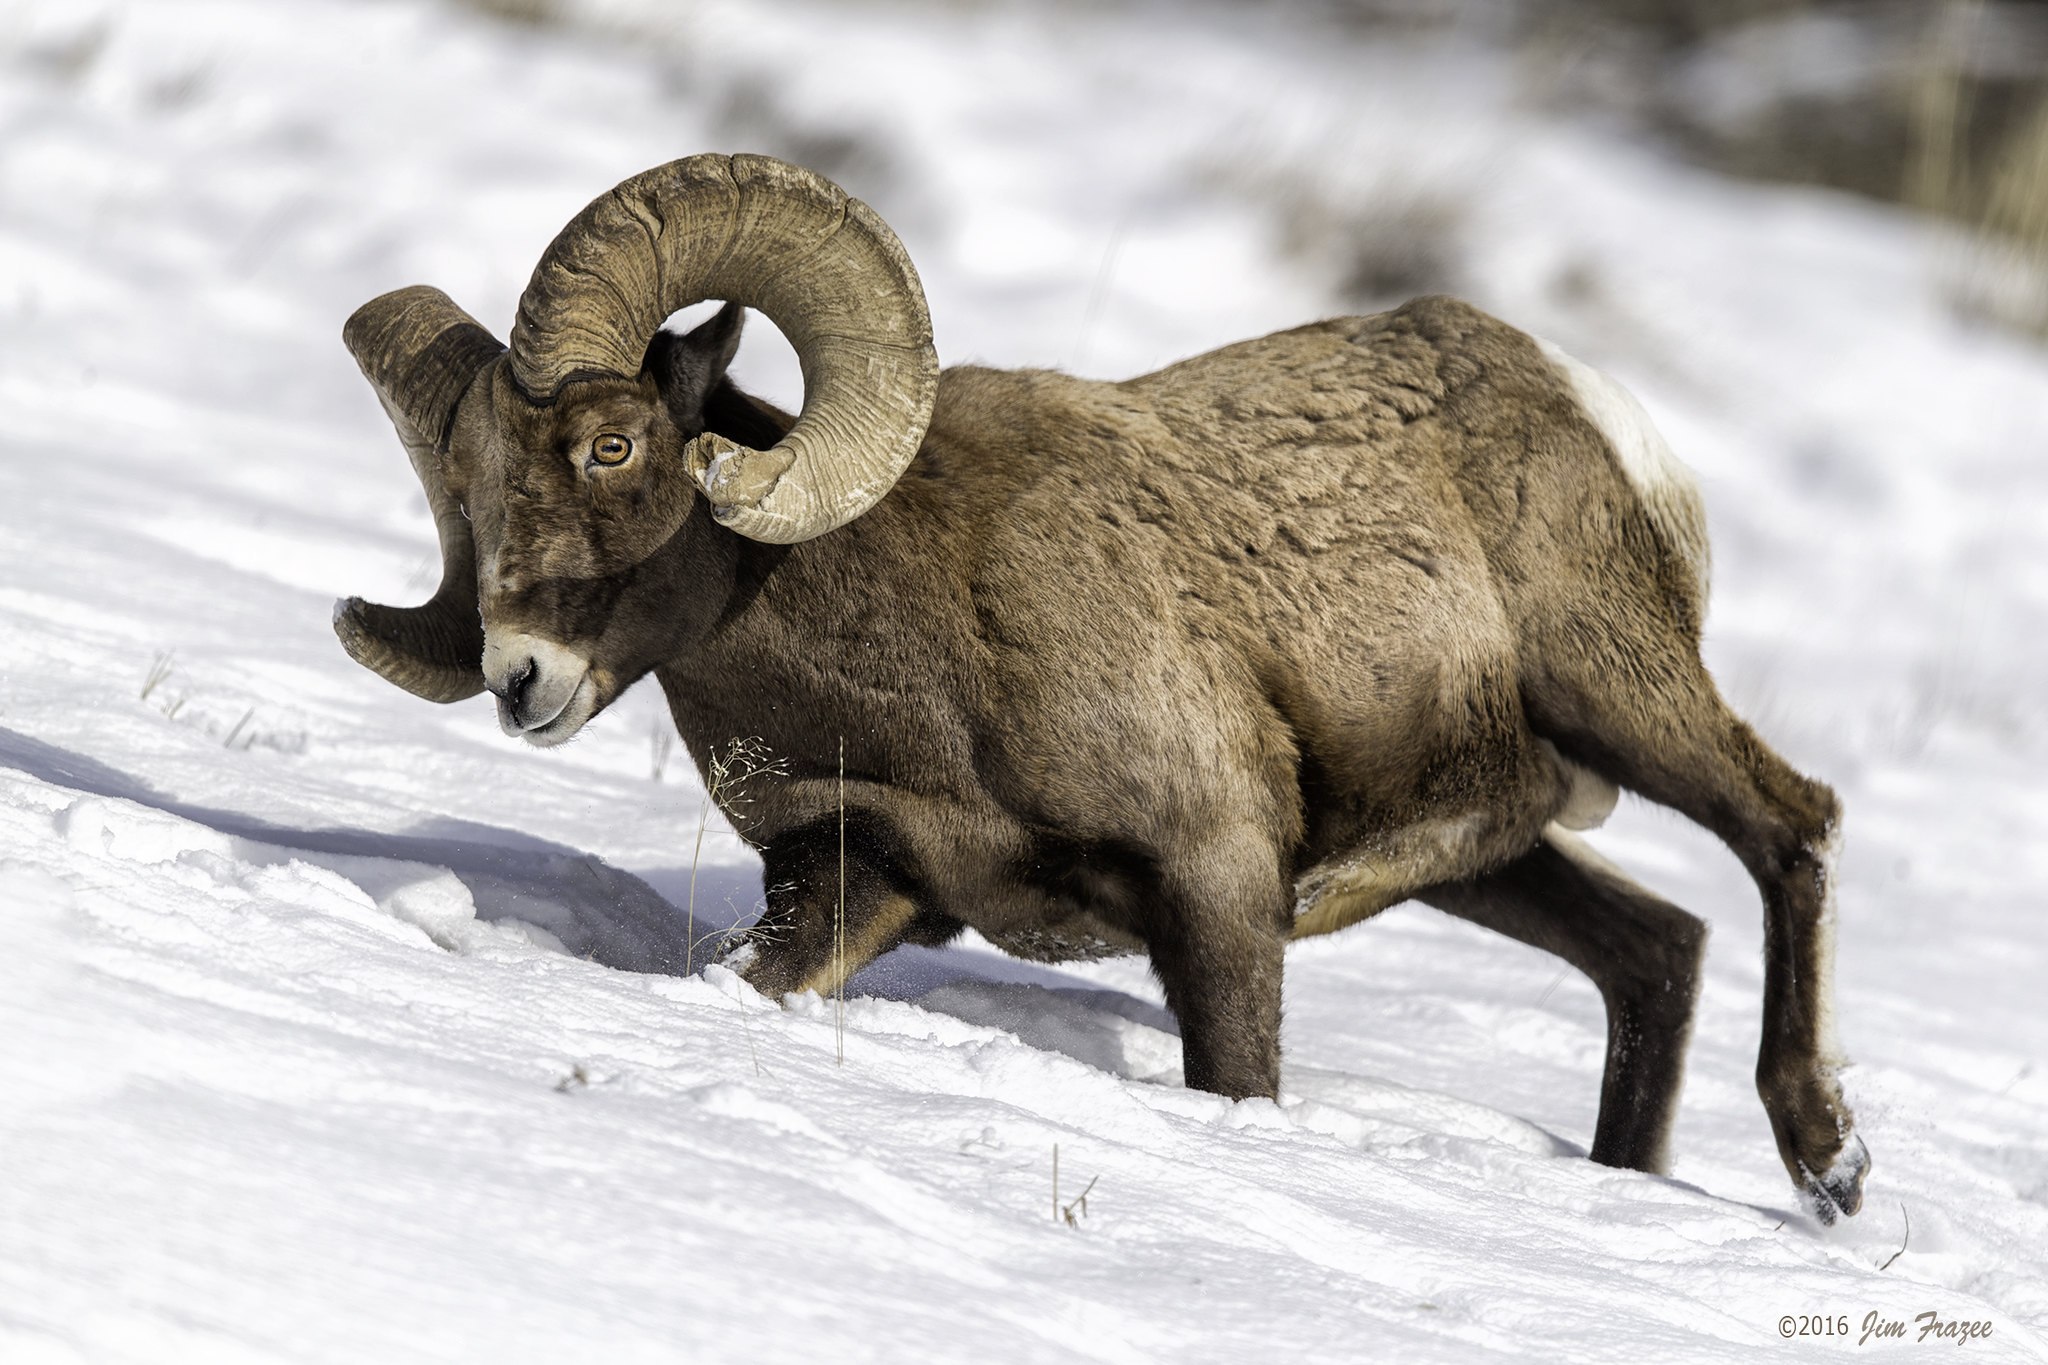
{"x": 521, "y": 679}
{"x": 515, "y": 683}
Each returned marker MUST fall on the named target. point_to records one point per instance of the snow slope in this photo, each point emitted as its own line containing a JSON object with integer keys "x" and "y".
{"x": 341, "y": 1028}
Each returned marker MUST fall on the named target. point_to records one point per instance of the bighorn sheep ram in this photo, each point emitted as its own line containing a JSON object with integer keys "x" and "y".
{"x": 1242, "y": 651}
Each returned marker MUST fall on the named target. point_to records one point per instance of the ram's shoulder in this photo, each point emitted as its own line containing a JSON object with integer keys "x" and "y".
{"x": 1005, "y": 433}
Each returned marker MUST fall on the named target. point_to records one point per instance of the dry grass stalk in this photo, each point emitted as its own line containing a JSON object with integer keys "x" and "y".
{"x": 1080, "y": 1203}
{"x": 2013, "y": 240}
{"x": 660, "y": 743}
{"x": 2000, "y": 272}
{"x": 1071, "y": 1212}
{"x": 1932, "y": 183}
{"x": 159, "y": 672}
{"x": 1904, "y": 1242}
{"x": 727, "y": 774}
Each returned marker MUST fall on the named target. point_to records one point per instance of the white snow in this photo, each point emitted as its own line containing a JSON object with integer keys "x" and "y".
{"x": 339, "y": 1027}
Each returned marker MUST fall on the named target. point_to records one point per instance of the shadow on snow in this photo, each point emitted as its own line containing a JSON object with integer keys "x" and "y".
{"x": 626, "y": 921}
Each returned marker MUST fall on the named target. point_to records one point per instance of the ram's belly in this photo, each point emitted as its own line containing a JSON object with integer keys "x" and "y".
{"x": 1078, "y": 938}
{"x": 1393, "y": 865}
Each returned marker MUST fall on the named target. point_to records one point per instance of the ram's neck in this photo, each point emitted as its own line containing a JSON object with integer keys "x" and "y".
{"x": 866, "y": 633}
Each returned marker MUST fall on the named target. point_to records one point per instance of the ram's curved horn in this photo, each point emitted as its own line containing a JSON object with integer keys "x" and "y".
{"x": 421, "y": 354}
{"x": 822, "y": 266}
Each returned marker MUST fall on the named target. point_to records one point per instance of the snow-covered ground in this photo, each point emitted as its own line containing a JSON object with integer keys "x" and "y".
{"x": 340, "y": 1028}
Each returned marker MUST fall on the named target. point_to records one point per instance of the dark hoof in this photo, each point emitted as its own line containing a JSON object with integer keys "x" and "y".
{"x": 1838, "y": 1191}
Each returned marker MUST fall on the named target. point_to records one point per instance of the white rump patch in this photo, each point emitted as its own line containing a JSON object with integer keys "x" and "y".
{"x": 1667, "y": 487}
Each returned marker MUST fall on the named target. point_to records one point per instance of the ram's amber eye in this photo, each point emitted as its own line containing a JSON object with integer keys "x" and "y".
{"x": 610, "y": 448}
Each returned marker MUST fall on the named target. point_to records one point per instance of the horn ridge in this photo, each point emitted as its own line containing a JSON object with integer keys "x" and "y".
{"x": 422, "y": 355}
{"x": 419, "y": 351}
{"x": 819, "y": 263}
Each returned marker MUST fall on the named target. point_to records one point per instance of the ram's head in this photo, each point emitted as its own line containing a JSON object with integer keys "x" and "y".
{"x": 572, "y": 477}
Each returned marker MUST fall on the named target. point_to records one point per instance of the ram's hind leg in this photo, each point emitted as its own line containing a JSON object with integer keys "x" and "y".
{"x": 1649, "y": 718}
{"x": 1641, "y": 952}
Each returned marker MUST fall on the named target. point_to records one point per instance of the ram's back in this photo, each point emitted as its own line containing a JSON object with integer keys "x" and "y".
{"x": 1309, "y": 556}
{"x": 1295, "y": 575}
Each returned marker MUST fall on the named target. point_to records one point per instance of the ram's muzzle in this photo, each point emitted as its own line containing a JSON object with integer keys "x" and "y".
{"x": 545, "y": 691}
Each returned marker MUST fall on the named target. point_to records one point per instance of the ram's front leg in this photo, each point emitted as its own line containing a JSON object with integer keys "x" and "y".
{"x": 1216, "y": 929}
{"x": 835, "y": 904}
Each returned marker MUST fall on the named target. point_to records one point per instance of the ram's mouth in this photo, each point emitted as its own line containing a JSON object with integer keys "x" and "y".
{"x": 545, "y": 690}
{"x": 560, "y": 727}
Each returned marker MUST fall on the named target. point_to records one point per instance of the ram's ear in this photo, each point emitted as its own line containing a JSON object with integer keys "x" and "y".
{"x": 687, "y": 368}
